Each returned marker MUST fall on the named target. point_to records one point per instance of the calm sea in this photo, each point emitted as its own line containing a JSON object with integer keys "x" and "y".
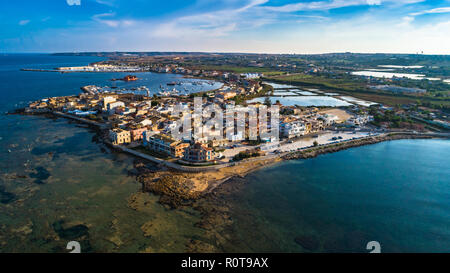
{"x": 57, "y": 184}
{"x": 396, "y": 193}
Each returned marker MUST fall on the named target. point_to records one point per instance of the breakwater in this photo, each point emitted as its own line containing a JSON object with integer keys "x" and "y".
{"x": 332, "y": 148}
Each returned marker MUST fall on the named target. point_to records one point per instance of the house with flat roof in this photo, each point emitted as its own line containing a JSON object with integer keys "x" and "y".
{"x": 198, "y": 153}
{"x": 119, "y": 136}
{"x": 165, "y": 144}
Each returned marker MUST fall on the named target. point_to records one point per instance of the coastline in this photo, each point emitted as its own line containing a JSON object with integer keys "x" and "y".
{"x": 177, "y": 189}
{"x": 333, "y": 148}
{"x": 179, "y": 185}
{"x": 208, "y": 192}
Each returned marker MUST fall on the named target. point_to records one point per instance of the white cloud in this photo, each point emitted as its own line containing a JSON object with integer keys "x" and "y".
{"x": 23, "y": 22}
{"x": 406, "y": 20}
{"x": 373, "y": 2}
{"x": 73, "y": 2}
{"x": 106, "y": 2}
{"x": 411, "y": 17}
{"x": 238, "y": 28}
{"x": 432, "y": 11}
{"x": 369, "y": 34}
{"x": 213, "y": 24}
{"x": 334, "y": 4}
{"x": 112, "y": 22}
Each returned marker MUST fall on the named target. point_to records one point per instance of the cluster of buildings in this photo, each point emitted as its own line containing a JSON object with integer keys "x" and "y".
{"x": 142, "y": 120}
{"x": 302, "y": 123}
{"x": 398, "y": 89}
{"x": 224, "y": 76}
{"x": 135, "y": 119}
{"x": 359, "y": 120}
{"x": 100, "y": 68}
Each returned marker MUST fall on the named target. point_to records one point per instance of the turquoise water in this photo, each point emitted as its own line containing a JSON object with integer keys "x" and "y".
{"x": 396, "y": 193}
{"x": 58, "y": 184}
{"x": 19, "y": 87}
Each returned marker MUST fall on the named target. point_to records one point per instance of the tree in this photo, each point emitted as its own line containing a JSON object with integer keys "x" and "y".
{"x": 267, "y": 102}
{"x": 315, "y": 143}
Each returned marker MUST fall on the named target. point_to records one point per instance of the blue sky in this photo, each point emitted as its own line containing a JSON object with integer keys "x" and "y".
{"x": 266, "y": 26}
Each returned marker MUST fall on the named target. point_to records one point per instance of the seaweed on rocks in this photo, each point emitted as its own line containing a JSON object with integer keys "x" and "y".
{"x": 174, "y": 190}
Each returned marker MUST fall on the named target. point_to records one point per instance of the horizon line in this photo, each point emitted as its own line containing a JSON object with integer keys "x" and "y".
{"x": 225, "y": 52}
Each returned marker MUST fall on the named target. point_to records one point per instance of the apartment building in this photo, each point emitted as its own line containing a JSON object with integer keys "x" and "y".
{"x": 198, "y": 153}
{"x": 293, "y": 129}
{"x": 119, "y": 136}
{"x": 165, "y": 144}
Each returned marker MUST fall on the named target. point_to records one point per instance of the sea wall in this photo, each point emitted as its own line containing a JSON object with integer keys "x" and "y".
{"x": 332, "y": 148}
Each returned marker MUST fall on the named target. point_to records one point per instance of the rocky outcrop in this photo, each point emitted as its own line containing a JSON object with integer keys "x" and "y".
{"x": 174, "y": 189}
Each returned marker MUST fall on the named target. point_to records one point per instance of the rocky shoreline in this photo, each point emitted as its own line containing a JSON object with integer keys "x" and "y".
{"x": 208, "y": 192}
{"x": 179, "y": 188}
{"x": 316, "y": 151}
{"x": 216, "y": 219}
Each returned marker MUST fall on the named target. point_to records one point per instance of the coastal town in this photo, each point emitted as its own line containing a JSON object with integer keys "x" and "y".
{"x": 143, "y": 124}
{"x": 257, "y": 130}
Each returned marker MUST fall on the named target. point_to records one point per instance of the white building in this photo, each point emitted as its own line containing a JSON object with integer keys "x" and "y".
{"x": 292, "y": 129}
{"x": 146, "y": 122}
{"x": 359, "y": 120}
{"x": 107, "y": 101}
{"x": 329, "y": 119}
{"x": 113, "y": 105}
{"x": 251, "y": 75}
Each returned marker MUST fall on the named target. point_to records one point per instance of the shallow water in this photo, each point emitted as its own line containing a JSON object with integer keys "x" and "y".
{"x": 57, "y": 184}
{"x": 58, "y": 175}
{"x": 392, "y": 75}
